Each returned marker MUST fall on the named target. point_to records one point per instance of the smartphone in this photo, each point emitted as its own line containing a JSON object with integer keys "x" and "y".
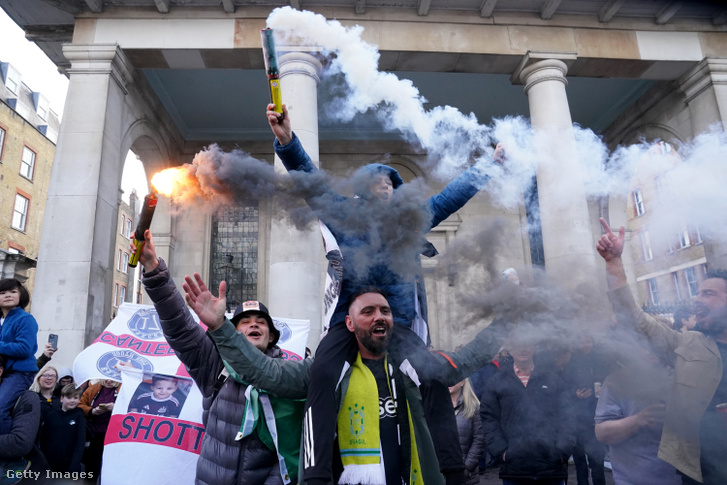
{"x": 53, "y": 340}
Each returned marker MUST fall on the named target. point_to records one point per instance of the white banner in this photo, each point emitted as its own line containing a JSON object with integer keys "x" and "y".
{"x": 334, "y": 276}
{"x": 135, "y": 338}
{"x": 293, "y": 337}
{"x": 155, "y": 432}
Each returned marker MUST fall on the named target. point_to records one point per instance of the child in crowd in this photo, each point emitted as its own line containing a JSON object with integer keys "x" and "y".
{"x": 63, "y": 436}
{"x": 18, "y": 343}
{"x": 160, "y": 401}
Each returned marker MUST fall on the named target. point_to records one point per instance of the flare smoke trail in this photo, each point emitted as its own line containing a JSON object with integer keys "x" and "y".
{"x": 455, "y": 138}
{"x": 693, "y": 181}
{"x": 443, "y": 131}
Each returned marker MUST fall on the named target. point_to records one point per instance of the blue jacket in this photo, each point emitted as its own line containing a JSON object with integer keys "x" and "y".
{"x": 377, "y": 251}
{"x": 19, "y": 341}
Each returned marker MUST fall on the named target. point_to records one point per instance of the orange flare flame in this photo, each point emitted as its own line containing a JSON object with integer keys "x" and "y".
{"x": 165, "y": 180}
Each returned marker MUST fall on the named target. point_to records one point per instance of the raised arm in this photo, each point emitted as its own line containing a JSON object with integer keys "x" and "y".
{"x": 282, "y": 378}
{"x": 280, "y": 124}
{"x": 459, "y": 191}
{"x": 185, "y": 336}
{"x": 610, "y": 246}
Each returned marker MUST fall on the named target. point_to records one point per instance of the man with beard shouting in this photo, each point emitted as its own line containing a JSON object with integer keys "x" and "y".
{"x": 381, "y": 434}
{"x": 694, "y": 437}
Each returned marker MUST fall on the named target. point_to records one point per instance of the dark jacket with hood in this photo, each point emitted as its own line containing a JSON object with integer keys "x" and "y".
{"x": 222, "y": 460}
{"x": 372, "y": 245}
{"x": 533, "y": 424}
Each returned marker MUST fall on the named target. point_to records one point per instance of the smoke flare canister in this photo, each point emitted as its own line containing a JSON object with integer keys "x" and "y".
{"x": 271, "y": 68}
{"x": 147, "y": 212}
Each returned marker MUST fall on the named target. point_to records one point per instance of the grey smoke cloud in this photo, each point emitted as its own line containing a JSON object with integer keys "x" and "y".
{"x": 693, "y": 181}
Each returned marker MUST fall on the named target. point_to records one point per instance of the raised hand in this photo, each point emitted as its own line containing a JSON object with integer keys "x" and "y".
{"x": 280, "y": 124}
{"x": 610, "y": 246}
{"x": 209, "y": 309}
{"x": 499, "y": 155}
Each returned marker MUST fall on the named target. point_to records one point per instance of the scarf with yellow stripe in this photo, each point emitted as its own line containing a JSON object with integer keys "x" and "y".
{"x": 358, "y": 431}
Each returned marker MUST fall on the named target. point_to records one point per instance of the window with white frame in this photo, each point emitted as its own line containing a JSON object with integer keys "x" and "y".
{"x": 122, "y": 294}
{"x": 646, "y": 253}
{"x": 123, "y": 224}
{"x": 692, "y": 283}
{"x": 118, "y": 260}
{"x": 116, "y": 294}
{"x": 697, "y": 235}
{"x": 20, "y": 212}
{"x": 684, "y": 240}
{"x": 2, "y": 143}
{"x": 125, "y": 268}
{"x": 639, "y": 202}
{"x": 653, "y": 291}
{"x": 27, "y": 164}
{"x": 12, "y": 85}
{"x": 128, "y": 228}
{"x": 677, "y": 289}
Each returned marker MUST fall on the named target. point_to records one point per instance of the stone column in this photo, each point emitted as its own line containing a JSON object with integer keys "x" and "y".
{"x": 75, "y": 262}
{"x": 295, "y": 286}
{"x": 570, "y": 258}
{"x": 705, "y": 90}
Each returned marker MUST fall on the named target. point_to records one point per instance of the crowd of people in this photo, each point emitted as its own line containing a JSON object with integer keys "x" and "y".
{"x": 376, "y": 405}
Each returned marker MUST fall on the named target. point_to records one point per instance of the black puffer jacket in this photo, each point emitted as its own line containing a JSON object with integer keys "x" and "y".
{"x": 222, "y": 460}
{"x": 471, "y": 441}
{"x": 533, "y": 424}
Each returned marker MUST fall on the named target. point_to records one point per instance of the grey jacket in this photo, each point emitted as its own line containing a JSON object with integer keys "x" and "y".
{"x": 222, "y": 460}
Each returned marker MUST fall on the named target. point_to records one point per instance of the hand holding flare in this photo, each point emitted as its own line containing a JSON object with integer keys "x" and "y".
{"x": 147, "y": 212}
{"x": 162, "y": 182}
{"x": 271, "y": 69}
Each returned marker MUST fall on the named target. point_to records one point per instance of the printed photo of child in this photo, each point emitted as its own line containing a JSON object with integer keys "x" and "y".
{"x": 161, "y": 398}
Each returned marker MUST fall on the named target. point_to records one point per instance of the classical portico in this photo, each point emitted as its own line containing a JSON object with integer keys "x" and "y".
{"x": 146, "y": 79}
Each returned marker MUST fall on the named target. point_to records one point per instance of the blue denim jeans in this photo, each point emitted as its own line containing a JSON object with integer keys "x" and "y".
{"x": 12, "y": 386}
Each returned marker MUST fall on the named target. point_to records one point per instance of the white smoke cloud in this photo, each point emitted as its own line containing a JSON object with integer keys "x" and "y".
{"x": 444, "y": 132}
{"x": 453, "y": 139}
